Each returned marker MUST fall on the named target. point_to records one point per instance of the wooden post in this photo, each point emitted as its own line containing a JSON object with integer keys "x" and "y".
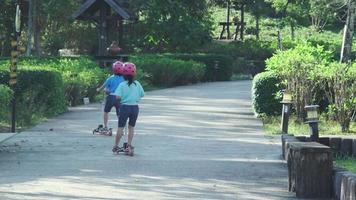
{"x": 285, "y": 117}
{"x": 348, "y": 33}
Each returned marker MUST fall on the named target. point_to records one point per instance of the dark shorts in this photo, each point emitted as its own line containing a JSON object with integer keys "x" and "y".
{"x": 128, "y": 112}
{"x": 112, "y": 101}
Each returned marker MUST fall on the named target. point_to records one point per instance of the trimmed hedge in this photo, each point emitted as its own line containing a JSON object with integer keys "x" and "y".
{"x": 265, "y": 88}
{"x": 167, "y": 72}
{"x": 5, "y": 100}
{"x": 222, "y": 72}
{"x": 248, "y": 56}
{"x": 39, "y": 94}
{"x": 81, "y": 76}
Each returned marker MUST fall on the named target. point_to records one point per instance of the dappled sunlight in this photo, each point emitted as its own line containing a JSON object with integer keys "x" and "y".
{"x": 137, "y": 186}
{"x": 188, "y": 145}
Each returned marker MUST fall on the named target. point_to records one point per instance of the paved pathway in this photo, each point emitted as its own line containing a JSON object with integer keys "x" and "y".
{"x": 193, "y": 142}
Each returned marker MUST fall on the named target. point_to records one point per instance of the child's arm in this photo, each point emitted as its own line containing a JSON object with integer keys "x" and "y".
{"x": 142, "y": 92}
{"x": 118, "y": 92}
{"x": 100, "y": 88}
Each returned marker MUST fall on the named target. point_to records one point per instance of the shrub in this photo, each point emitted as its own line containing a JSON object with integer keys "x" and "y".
{"x": 265, "y": 90}
{"x": 298, "y": 67}
{"x": 218, "y": 66}
{"x": 81, "y": 76}
{"x": 5, "y": 99}
{"x": 339, "y": 83}
{"x": 253, "y": 52}
{"x": 39, "y": 94}
{"x": 168, "y": 72}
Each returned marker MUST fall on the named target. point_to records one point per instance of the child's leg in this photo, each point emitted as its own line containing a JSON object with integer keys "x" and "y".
{"x": 110, "y": 101}
{"x": 132, "y": 122}
{"x": 119, "y": 133}
{"x": 122, "y": 122}
{"x": 106, "y": 119}
{"x": 131, "y": 134}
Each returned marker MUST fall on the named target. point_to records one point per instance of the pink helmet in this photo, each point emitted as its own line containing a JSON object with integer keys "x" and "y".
{"x": 118, "y": 67}
{"x": 129, "y": 69}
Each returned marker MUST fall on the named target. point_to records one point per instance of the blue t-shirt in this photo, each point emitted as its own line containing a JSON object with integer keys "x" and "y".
{"x": 130, "y": 95}
{"x": 112, "y": 83}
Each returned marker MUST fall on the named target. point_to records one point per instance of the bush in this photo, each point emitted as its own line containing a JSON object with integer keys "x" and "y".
{"x": 338, "y": 81}
{"x": 298, "y": 67}
{"x": 265, "y": 90}
{"x": 5, "y": 100}
{"x": 252, "y": 52}
{"x": 168, "y": 72}
{"x": 39, "y": 94}
{"x": 222, "y": 72}
{"x": 81, "y": 76}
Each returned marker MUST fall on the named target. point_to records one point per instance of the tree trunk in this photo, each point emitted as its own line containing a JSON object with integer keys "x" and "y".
{"x": 30, "y": 28}
{"x": 292, "y": 29}
{"x": 257, "y": 27}
{"x": 37, "y": 28}
{"x": 345, "y": 126}
{"x": 348, "y": 33}
{"x": 228, "y": 19}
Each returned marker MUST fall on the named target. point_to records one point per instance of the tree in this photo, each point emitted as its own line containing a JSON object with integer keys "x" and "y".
{"x": 294, "y": 12}
{"x": 174, "y": 25}
{"x": 258, "y": 8}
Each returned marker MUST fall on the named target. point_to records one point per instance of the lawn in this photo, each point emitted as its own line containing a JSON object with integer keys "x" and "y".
{"x": 349, "y": 164}
{"x": 272, "y": 126}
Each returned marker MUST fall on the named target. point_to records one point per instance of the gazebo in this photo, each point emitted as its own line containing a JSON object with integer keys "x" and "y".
{"x": 109, "y": 15}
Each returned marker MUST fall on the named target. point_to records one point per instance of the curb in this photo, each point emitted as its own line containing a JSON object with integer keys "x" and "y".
{"x": 6, "y": 136}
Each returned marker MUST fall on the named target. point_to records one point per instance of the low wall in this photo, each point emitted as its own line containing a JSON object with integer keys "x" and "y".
{"x": 343, "y": 182}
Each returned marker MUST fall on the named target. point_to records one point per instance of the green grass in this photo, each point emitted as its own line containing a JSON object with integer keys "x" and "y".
{"x": 269, "y": 28}
{"x": 272, "y": 126}
{"x": 349, "y": 164}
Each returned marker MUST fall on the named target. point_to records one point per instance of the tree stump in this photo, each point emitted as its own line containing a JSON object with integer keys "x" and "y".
{"x": 354, "y": 147}
{"x": 346, "y": 147}
{"x": 325, "y": 141}
{"x": 335, "y": 144}
{"x": 310, "y": 167}
{"x": 285, "y": 140}
{"x": 337, "y": 178}
{"x": 348, "y": 187}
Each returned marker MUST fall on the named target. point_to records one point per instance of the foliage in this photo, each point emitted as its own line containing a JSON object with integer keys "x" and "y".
{"x": 167, "y": 72}
{"x": 339, "y": 83}
{"x": 173, "y": 25}
{"x": 81, "y": 76}
{"x": 265, "y": 93}
{"x": 293, "y": 13}
{"x": 298, "y": 67}
{"x": 248, "y": 56}
{"x": 218, "y": 66}
{"x": 5, "y": 99}
{"x": 39, "y": 93}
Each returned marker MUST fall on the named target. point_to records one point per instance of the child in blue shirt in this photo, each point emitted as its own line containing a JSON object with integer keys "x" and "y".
{"x": 109, "y": 87}
{"x": 130, "y": 93}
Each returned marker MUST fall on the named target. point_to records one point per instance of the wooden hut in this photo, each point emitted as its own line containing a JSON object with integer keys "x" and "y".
{"x": 109, "y": 15}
